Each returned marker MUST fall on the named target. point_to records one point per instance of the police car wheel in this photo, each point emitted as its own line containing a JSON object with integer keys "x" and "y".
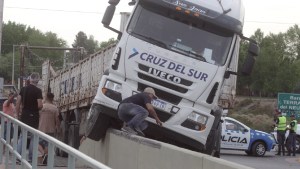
{"x": 259, "y": 149}
{"x": 298, "y": 144}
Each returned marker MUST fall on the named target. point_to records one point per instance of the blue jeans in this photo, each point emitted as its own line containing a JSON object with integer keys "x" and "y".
{"x": 133, "y": 115}
{"x": 292, "y": 143}
{"x": 19, "y": 147}
{"x": 11, "y": 130}
{"x": 281, "y": 139}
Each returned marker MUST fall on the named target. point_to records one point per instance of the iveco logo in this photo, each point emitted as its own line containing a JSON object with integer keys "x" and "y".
{"x": 164, "y": 75}
{"x": 135, "y": 52}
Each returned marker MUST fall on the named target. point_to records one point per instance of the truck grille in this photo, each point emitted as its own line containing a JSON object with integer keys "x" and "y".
{"x": 162, "y": 94}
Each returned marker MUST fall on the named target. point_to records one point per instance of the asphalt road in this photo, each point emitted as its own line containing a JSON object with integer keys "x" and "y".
{"x": 269, "y": 161}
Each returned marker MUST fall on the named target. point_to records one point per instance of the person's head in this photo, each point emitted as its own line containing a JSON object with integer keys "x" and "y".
{"x": 151, "y": 92}
{"x": 49, "y": 97}
{"x": 11, "y": 96}
{"x": 34, "y": 78}
{"x": 292, "y": 116}
{"x": 277, "y": 112}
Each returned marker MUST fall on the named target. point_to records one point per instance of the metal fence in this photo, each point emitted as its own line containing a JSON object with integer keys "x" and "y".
{"x": 73, "y": 154}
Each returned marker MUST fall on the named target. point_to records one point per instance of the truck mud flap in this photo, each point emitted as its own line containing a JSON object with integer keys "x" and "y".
{"x": 214, "y": 137}
{"x": 98, "y": 121}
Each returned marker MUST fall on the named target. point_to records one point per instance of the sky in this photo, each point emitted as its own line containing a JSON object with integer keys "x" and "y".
{"x": 67, "y": 17}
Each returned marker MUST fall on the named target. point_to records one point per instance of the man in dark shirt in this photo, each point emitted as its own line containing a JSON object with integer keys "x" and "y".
{"x": 135, "y": 109}
{"x": 30, "y": 99}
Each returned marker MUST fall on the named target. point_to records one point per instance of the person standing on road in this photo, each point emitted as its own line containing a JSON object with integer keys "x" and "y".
{"x": 134, "y": 110}
{"x": 49, "y": 123}
{"x": 280, "y": 123}
{"x": 30, "y": 97}
{"x": 9, "y": 109}
{"x": 292, "y": 136}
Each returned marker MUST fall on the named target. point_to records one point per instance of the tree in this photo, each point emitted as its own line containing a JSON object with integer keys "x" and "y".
{"x": 17, "y": 34}
{"x": 105, "y": 44}
{"x": 89, "y": 44}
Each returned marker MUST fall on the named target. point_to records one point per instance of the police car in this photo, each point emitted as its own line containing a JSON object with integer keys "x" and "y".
{"x": 238, "y": 136}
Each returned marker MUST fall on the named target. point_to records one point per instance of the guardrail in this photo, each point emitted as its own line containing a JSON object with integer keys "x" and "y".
{"x": 73, "y": 154}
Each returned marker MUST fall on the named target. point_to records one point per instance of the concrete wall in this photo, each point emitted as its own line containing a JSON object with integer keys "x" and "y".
{"x": 120, "y": 150}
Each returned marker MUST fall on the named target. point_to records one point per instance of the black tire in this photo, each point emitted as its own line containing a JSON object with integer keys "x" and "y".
{"x": 97, "y": 123}
{"x": 63, "y": 137}
{"x": 249, "y": 153}
{"x": 259, "y": 149}
{"x": 298, "y": 144}
{"x": 73, "y": 140}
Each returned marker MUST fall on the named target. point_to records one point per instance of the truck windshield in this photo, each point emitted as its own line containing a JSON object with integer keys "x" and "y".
{"x": 182, "y": 34}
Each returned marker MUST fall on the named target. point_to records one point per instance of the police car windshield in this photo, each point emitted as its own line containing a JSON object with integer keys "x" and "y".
{"x": 179, "y": 33}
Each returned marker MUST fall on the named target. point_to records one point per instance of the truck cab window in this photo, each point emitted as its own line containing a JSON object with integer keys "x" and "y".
{"x": 187, "y": 36}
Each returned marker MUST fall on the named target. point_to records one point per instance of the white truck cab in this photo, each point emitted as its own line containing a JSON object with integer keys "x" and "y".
{"x": 188, "y": 52}
{"x": 238, "y": 136}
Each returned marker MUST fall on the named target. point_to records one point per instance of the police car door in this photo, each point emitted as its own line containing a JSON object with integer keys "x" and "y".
{"x": 235, "y": 135}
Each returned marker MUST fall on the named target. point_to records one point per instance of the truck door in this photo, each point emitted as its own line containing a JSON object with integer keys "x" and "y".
{"x": 234, "y": 135}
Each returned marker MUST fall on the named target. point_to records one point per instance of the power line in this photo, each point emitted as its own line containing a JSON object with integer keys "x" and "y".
{"x": 56, "y": 10}
{"x": 101, "y": 13}
{"x": 271, "y": 22}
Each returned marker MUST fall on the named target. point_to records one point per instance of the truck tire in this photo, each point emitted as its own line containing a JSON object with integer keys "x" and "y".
{"x": 213, "y": 142}
{"x": 259, "y": 149}
{"x": 73, "y": 140}
{"x": 97, "y": 123}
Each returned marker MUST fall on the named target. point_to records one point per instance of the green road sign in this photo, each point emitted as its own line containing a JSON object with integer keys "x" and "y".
{"x": 289, "y": 103}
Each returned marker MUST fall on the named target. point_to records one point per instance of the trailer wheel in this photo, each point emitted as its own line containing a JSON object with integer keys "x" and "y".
{"x": 73, "y": 140}
{"x": 63, "y": 138}
{"x": 259, "y": 149}
{"x": 97, "y": 123}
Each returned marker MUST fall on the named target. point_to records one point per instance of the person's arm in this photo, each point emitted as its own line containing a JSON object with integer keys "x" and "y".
{"x": 18, "y": 106}
{"x": 8, "y": 101}
{"x": 40, "y": 104}
{"x": 152, "y": 112}
{"x": 57, "y": 122}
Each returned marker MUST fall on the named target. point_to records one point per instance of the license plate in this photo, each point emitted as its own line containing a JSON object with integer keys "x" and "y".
{"x": 159, "y": 104}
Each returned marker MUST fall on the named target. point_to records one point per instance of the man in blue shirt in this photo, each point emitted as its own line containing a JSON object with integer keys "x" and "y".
{"x": 135, "y": 109}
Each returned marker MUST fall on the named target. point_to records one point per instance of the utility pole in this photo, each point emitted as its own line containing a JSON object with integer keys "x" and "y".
{"x": 22, "y": 48}
{"x": 1, "y": 22}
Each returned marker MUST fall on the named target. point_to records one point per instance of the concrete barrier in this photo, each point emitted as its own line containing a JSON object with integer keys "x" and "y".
{"x": 120, "y": 150}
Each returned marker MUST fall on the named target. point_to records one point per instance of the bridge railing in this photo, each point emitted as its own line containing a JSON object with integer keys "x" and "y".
{"x": 53, "y": 143}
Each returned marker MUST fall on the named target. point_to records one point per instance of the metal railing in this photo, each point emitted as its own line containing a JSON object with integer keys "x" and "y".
{"x": 53, "y": 143}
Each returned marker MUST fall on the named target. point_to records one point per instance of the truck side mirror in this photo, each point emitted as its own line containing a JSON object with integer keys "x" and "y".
{"x": 108, "y": 15}
{"x": 253, "y": 51}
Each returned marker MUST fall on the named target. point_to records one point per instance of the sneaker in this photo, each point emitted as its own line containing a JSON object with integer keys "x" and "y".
{"x": 18, "y": 162}
{"x": 129, "y": 130}
{"x": 45, "y": 158}
{"x": 139, "y": 131}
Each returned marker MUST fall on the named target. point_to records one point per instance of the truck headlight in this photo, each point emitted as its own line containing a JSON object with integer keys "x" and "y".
{"x": 195, "y": 121}
{"x": 112, "y": 90}
{"x": 199, "y": 118}
{"x": 117, "y": 87}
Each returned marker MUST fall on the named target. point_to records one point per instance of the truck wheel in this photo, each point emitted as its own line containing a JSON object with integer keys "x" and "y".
{"x": 97, "y": 123}
{"x": 249, "y": 153}
{"x": 73, "y": 140}
{"x": 259, "y": 149}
